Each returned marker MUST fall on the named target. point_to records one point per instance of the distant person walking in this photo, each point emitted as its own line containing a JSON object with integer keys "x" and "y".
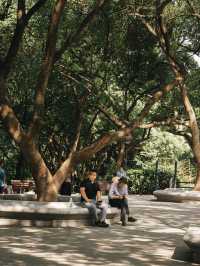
{"x": 121, "y": 173}
{"x": 2, "y": 177}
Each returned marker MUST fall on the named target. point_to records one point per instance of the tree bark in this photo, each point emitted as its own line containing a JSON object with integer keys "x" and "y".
{"x": 45, "y": 185}
{"x": 46, "y": 69}
{"x": 179, "y": 72}
{"x": 197, "y": 185}
{"x": 121, "y": 155}
{"x": 195, "y": 132}
{"x": 19, "y": 167}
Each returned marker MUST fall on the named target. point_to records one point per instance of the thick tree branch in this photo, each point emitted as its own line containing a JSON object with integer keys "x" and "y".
{"x": 155, "y": 98}
{"x": 46, "y": 68}
{"x": 136, "y": 145}
{"x": 113, "y": 118}
{"x": 22, "y": 21}
{"x": 184, "y": 134}
{"x": 167, "y": 122}
{"x": 77, "y": 130}
{"x": 192, "y": 118}
{"x": 17, "y": 37}
{"x": 34, "y": 9}
{"x": 180, "y": 72}
{"x": 5, "y": 6}
{"x": 123, "y": 133}
{"x": 74, "y": 37}
{"x": 11, "y": 123}
{"x": 161, "y": 33}
{"x": 164, "y": 41}
{"x": 146, "y": 24}
{"x": 192, "y": 9}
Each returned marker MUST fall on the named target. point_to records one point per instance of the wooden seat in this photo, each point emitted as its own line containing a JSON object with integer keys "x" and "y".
{"x": 20, "y": 186}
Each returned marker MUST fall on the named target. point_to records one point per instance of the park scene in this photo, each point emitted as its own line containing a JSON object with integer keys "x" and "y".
{"x": 99, "y": 132}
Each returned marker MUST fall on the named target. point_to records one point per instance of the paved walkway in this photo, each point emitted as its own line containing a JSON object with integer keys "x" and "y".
{"x": 150, "y": 241}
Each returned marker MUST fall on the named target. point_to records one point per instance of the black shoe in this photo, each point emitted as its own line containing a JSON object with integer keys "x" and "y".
{"x": 131, "y": 219}
{"x": 102, "y": 224}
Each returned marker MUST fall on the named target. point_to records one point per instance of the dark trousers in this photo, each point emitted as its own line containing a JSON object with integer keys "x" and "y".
{"x": 66, "y": 188}
{"x": 121, "y": 204}
{"x": 1, "y": 189}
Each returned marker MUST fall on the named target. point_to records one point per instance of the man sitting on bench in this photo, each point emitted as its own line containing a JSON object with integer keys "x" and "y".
{"x": 91, "y": 199}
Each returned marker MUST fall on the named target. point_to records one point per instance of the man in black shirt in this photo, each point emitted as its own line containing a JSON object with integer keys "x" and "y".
{"x": 91, "y": 199}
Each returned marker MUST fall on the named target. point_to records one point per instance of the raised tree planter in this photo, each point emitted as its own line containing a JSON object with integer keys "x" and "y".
{"x": 33, "y": 197}
{"x": 192, "y": 239}
{"x": 176, "y": 195}
{"x": 29, "y": 197}
{"x": 50, "y": 214}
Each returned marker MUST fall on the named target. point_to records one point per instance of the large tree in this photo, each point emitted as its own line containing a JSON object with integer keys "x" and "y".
{"x": 62, "y": 46}
{"x": 166, "y": 20}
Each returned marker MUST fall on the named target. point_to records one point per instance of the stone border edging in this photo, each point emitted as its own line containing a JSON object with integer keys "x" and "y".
{"x": 176, "y": 195}
{"x": 192, "y": 239}
{"x": 51, "y": 214}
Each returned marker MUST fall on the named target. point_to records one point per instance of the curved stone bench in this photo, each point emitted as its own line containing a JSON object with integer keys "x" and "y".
{"x": 51, "y": 214}
{"x": 192, "y": 239}
{"x": 176, "y": 195}
{"x": 33, "y": 197}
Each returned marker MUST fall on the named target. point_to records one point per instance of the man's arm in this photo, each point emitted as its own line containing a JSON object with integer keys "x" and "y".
{"x": 83, "y": 194}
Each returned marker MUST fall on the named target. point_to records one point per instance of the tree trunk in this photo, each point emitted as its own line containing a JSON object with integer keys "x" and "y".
{"x": 195, "y": 132}
{"x": 180, "y": 73}
{"x": 19, "y": 167}
{"x": 121, "y": 155}
{"x": 45, "y": 185}
{"x": 197, "y": 185}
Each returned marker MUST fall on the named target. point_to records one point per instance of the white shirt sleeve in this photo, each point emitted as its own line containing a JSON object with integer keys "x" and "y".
{"x": 126, "y": 190}
{"x": 113, "y": 190}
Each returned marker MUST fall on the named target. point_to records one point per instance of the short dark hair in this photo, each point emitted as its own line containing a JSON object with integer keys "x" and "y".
{"x": 91, "y": 171}
{"x": 123, "y": 180}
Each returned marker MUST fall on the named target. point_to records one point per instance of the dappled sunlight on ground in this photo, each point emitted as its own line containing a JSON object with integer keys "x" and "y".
{"x": 149, "y": 241}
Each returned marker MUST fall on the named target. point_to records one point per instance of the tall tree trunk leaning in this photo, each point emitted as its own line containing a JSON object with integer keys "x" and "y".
{"x": 45, "y": 187}
{"x": 180, "y": 73}
{"x": 195, "y": 133}
{"x": 121, "y": 155}
{"x": 160, "y": 31}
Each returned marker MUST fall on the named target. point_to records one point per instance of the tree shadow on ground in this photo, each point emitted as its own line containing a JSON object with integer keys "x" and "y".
{"x": 148, "y": 242}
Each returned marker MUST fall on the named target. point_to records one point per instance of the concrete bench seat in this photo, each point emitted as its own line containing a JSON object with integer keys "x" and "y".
{"x": 176, "y": 195}
{"x": 33, "y": 197}
{"x": 192, "y": 239}
{"x": 54, "y": 214}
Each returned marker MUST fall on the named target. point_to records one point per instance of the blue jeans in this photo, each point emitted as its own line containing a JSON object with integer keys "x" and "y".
{"x": 93, "y": 209}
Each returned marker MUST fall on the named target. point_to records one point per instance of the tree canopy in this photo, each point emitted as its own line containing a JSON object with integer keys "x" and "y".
{"x": 83, "y": 82}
